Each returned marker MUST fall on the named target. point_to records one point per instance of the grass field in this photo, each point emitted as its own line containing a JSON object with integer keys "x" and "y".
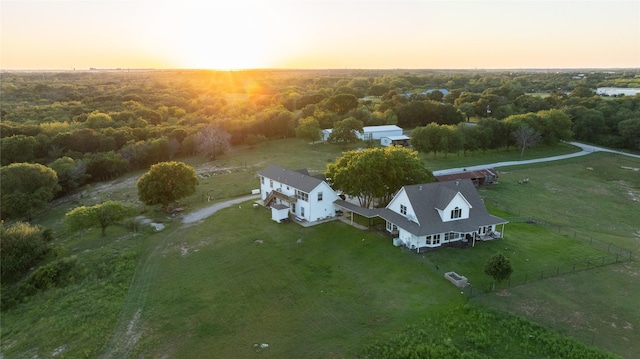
{"x": 223, "y": 287}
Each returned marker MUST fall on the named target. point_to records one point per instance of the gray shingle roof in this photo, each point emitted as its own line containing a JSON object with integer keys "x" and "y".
{"x": 425, "y": 198}
{"x": 296, "y": 179}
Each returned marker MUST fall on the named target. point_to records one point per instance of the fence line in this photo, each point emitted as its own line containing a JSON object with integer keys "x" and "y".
{"x": 614, "y": 254}
{"x": 552, "y": 272}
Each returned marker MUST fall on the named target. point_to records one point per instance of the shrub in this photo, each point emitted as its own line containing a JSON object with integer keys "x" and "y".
{"x": 21, "y": 247}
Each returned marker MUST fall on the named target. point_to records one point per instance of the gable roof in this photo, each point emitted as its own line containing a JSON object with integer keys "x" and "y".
{"x": 299, "y": 179}
{"x": 425, "y": 198}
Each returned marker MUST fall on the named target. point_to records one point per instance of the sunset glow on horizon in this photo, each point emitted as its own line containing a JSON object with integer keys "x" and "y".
{"x": 66, "y": 35}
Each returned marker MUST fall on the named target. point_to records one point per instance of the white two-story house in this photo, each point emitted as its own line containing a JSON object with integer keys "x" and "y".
{"x": 434, "y": 214}
{"x": 296, "y": 193}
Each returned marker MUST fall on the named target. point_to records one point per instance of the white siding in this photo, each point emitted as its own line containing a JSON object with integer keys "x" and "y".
{"x": 316, "y": 210}
{"x": 399, "y": 200}
{"x": 458, "y": 201}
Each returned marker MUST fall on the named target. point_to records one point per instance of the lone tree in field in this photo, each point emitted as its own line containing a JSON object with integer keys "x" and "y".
{"x": 498, "y": 267}
{"x": 101, "y": 215}
{"x": 167, "y": 182}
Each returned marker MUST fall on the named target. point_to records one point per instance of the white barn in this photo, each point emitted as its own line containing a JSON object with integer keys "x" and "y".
{"x": 373, "y": 133}
{"x": 378, "y": 132}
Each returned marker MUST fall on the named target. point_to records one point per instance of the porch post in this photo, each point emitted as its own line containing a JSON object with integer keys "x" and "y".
{"x": 502, "y": 232}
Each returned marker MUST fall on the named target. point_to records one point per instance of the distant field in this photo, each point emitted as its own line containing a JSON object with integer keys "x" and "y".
{"x": 237, "y": 280}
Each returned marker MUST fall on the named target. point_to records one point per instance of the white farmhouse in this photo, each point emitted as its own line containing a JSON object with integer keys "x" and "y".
{"x": 296, "y": 193}
{"x": 435, "y": 214}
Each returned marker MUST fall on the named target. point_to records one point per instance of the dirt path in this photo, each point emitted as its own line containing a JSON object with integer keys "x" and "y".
{"x": 208, "y": 211}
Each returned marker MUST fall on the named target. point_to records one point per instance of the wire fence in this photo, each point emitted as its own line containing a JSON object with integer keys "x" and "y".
{"x": 550, "y": 272}
{"x": 612, "y": 254}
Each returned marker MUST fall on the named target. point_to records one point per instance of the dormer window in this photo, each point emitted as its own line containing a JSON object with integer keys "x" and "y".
{"x": 456, "y": 213}
{"x": 403, "y": 209}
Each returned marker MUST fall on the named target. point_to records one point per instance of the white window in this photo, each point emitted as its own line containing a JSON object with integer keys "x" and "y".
{"x": 271, "y": 183}
{"x": 456, "y": 213}
{"x": 403, "y": 209}
{"x": 301, "y": 211}
{"x": 391, "y": 227}
{"x": 302, "y": 196}
{"x": 319, "y": 196}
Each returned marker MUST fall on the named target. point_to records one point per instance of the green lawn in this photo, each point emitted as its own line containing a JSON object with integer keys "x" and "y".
{"x": 236, "y": 280}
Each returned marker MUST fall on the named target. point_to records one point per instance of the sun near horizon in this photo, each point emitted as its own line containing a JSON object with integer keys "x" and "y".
{"x": 225, "y": 35}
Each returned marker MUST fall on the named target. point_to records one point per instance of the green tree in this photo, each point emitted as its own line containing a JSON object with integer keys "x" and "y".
{"x": 342, "y": 103}
{"x": 21, "y": 246}
{"x": 498, "y": 267}
{"x": 97, "y": 120}
{"x": 376, "y": 173}
{"x": 630, "y": 132}
{"x": 26, "y": 188}
{"x": 309, "y": 128}
{"x": 101, "y": 215}
{"x": 428, "y": 138}
{"x": 18, "y": 148}
{"x": 344, "y": 132}
{"x": 167, "y": 182}
{"x": 71, "y": 173}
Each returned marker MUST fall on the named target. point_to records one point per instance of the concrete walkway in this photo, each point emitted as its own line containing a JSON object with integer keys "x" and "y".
{"x": 586, "y": 149}
{"x": 208, "y": 211}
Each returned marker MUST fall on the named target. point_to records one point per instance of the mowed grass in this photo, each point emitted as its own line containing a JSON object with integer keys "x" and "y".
{"x": 239, "y": 280}
{"x": 596, "y": 196}
{"x": 210, "y": 290}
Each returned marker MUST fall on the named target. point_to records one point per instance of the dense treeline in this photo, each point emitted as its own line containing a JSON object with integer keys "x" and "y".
{"x": 93, "y": 126}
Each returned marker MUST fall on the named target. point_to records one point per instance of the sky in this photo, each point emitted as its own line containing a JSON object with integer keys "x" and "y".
{"x": 308, "y": 34}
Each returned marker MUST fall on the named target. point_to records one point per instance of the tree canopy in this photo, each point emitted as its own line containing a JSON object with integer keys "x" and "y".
{"x": 376, "y": 173}
{"x": 26, "y": 188}
{"x": 344, "y": 131}
{"x": 101, "y": 215}
{"x": 498, "y": 267}
{"x": 167, "y": 182}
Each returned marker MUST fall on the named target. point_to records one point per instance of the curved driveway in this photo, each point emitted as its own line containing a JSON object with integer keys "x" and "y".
{"x": 207, "y": 211}
{"x": 586, "y": 149}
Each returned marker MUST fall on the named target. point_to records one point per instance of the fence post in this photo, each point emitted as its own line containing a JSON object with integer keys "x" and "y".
{"x": 574, "y": 267}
